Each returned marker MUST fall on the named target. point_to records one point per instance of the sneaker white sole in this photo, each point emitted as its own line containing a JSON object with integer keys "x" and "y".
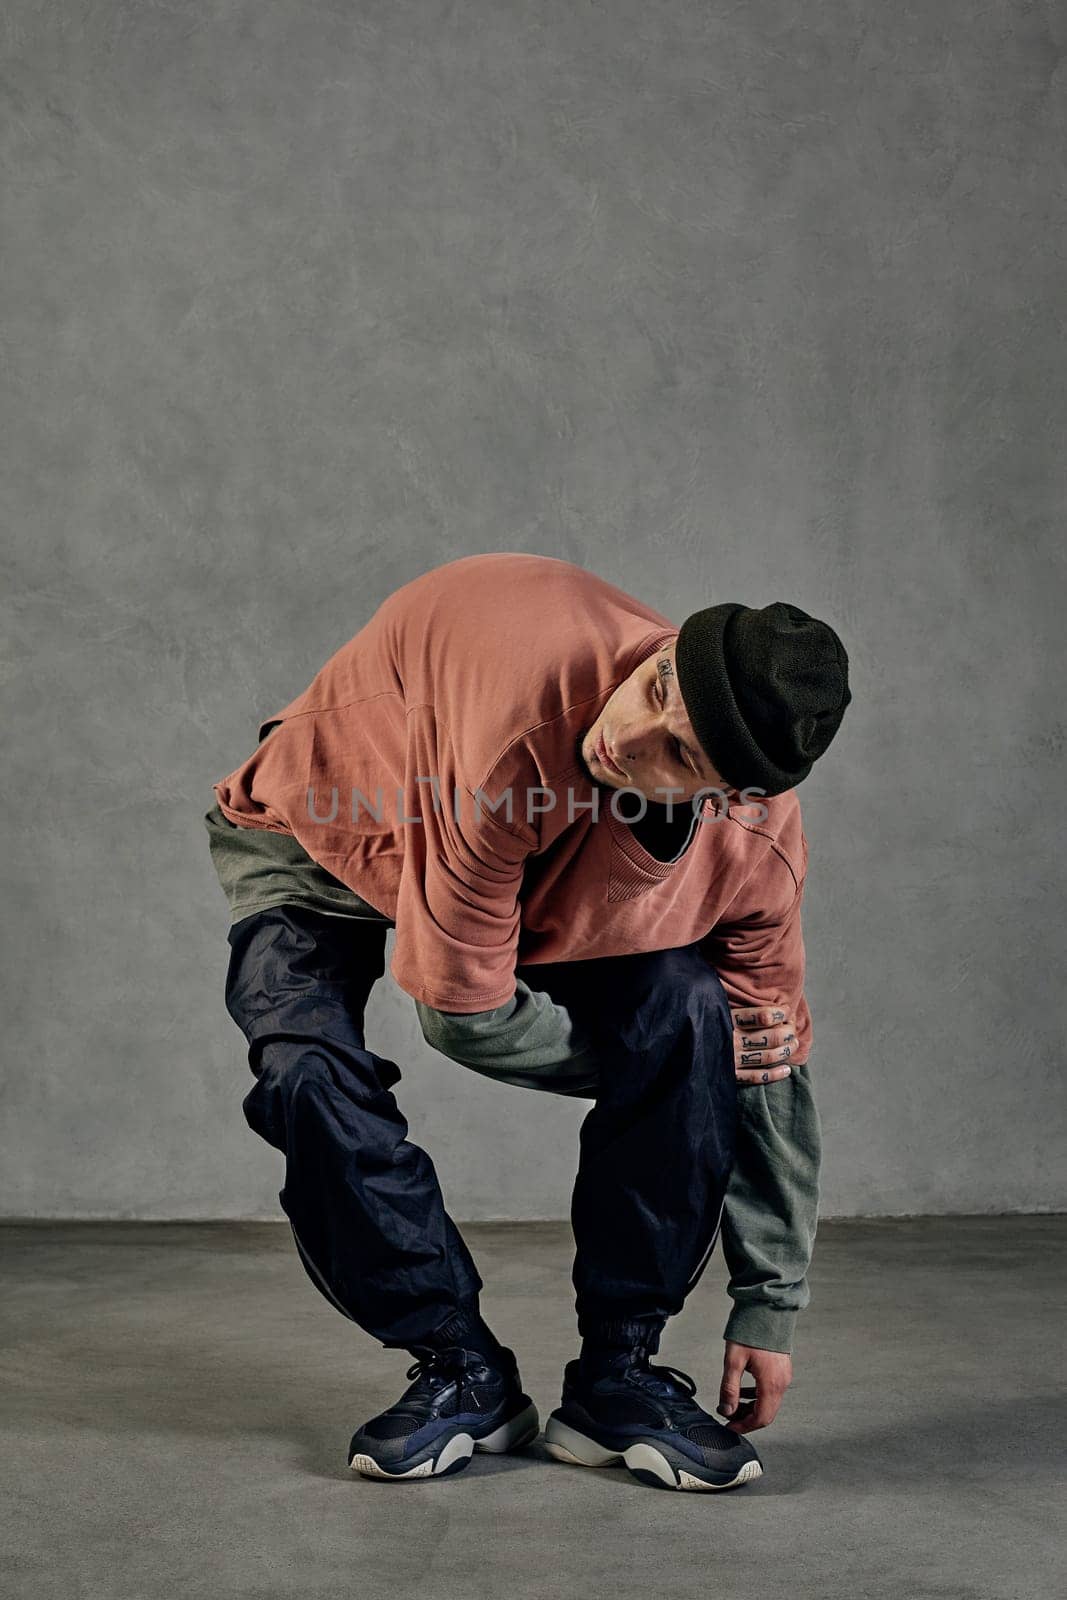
{"x": 521, "y": 1430}
{"x": 567, "y": 1444}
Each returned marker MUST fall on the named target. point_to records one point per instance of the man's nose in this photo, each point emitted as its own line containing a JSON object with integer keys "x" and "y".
{"x": 627, "y": 744}
{"x": 632, "y": 743}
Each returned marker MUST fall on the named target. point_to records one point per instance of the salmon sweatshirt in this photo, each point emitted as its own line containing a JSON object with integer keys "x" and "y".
{"x": 431, "y": 769}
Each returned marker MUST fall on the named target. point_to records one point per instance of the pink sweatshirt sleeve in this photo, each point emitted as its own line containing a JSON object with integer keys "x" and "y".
{"x": 758, "y": 951}
{"x": 458, "y": 914}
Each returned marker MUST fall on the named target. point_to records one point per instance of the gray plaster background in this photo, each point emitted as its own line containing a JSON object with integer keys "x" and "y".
{"x": 301, "y": 298}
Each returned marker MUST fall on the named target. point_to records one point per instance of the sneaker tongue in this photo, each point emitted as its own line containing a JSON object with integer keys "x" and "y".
{"x": 664, "y": 1386}
{"x": 657, "y": 1380}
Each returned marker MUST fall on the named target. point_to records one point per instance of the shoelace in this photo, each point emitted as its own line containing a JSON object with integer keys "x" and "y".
{"x": 436, "y": 1363}
{"x": 427, "y": 1371}
{"x": 664, "y": 1379}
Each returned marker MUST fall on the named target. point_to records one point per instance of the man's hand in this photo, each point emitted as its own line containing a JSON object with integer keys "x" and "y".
{"x": 755, "y": 1408}
{"x": 764, "y": 1041}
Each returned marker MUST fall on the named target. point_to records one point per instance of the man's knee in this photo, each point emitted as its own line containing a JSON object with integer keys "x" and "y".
{"x": 338, "y": 1074}
{"x": 708, "y": 1009}
{"x": 285, "y": 1080}
{"x": 688, "y": 984}
{"x": 673, "y": 993}
{"x": 707, "y": 989}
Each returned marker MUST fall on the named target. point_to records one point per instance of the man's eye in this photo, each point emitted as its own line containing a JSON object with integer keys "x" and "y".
{"x": 659, "y": 694}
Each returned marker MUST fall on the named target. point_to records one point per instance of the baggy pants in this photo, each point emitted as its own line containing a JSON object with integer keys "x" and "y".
{"x": 364, "y": 1202}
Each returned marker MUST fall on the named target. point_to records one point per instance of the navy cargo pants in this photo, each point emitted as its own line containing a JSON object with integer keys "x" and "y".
{"x": 366, "y": 1210}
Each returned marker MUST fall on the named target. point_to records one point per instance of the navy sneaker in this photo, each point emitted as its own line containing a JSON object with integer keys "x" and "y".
{"x": 460, "y": 1402}
{"x": 627, "y": 1410}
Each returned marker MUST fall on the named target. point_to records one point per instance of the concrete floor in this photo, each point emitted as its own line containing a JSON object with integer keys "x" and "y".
{"x": 177, "y": 1400}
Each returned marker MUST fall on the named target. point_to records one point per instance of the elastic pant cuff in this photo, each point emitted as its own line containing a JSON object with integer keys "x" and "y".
{"x": 622, "y": 1334}
{"x": 451, "y": 1331}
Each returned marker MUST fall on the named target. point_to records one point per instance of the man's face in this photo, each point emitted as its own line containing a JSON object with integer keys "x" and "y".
{"x": 646, "y": 726}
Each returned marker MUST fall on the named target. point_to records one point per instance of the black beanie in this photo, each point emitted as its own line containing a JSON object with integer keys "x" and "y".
{"x": 765, "y": 690}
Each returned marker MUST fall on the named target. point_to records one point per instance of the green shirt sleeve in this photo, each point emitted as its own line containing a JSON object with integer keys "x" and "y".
{"x": 771, "y": 1209}
{"x": 529, "y": 1041}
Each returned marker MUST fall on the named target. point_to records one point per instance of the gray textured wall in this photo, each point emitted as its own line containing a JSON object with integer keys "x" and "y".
{"x": 301, "y": 298}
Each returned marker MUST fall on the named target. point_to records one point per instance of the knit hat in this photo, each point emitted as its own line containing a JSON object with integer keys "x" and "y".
{"x": 765, "y": 690}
